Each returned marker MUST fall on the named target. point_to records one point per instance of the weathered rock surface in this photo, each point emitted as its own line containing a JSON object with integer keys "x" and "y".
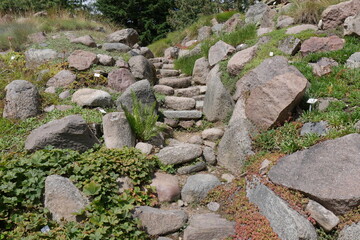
{"x": 141, "y": 68}
{"x": 327, "y": 172}
{"x": 335, "y": 15}
{"x": 171, "y": 53}
{"x": 197, "y": 187}
{"x": 263, "y": 73}
{"x": 70, "y": 132}
{"x": 351, "y": 232}
{"x": 163, "y": 89}
{"x": 284, "y": 21}
{"x": 188, "y": 114}
{"x": 116, "y": 47}
{"x": 61, "y": 79}
{"x": 233, "y": 23}
{"x": 201, "y": 70}
{"x": 65, "y": 94}
{"x": 145, "y": 148}
{"x": 82, "y": 60}
{"x": 286, "y": 222}
{"x": 106, "y": 60}
{"x": 87, "y": 97}
{"x": 212, "y": 134}
{"x": 176, "y": 82}
{"x": 181, "y": 153}
{"x": 323, "y": 66}
{"x": 353, "y": 61}
{"x": 187, "y": 92}
{"x": 300, "y": 28}
{"x": 120, "y": 79}
{"x": 204, "y": 33}
{"x": 117, "y": 131}
{"x": 352, "y": 25}
{"x": 240, "y": 59}
{"x": 219, "y": 52}
{"x": 167, "y": 187}
{"x": 63, "y": 199}
{"x": 209, "y": 155}
{"x": 319, "y": 128}
{"x": 38, "y": 37}
{"x": 86, "y": 40}
{"x": 127, "y": 36}
{"x": 321, "y": 44}
{"x": 290, "y": 45}
{"x": 197, "y": 167}
{"x": 208, "y": 226}
{"x": 218, "y": 102}
{"x": 179, "y": 103}
{"x": 37, "y": 57}
{"x": 260, "y": 14}
{"x": 325, "y": 218}
{"x": 272, "y": 103}
{"x": 143, "y": 92}
{"x": 21, "y": 100}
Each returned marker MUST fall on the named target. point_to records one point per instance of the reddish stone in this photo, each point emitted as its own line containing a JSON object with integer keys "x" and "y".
{"x": 321, "y": 44}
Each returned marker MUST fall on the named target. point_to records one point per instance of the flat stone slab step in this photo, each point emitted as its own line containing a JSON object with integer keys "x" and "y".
{"x": 169, "y": 72}
{"x": 186, "y": 114}
{"x": 179, "y": 103}
{"x": 168, "y": 66}
{"x": 159, "y": 60}
{"x": 158, "y": 65}
{"x": 174, "y": 82}
{"x": 199, "y": 98}
{"x": 187, "y": 92}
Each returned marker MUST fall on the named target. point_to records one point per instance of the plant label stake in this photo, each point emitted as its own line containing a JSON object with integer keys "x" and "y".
{"x": 311, "y": 101}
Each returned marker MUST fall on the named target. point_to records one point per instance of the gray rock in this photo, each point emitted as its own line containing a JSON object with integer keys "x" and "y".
{"x": 241, "y": 47}
{"x": 351, "y": 232}
{"x": 335, "y": 15}
{"x": 263, "y": 31}
{"x": 116, "y": 47}
{"x": 209, "y": 226}
{"x": 196, "y": 139}
{"x": 179, "y": 82}
{"x": 179, "y": 103}
{"x": 127, "y": 36}
{"x": 164, "y": 238}
{"x": 217, "y": 28}
{"x": 169, "y": 72}
{"x": 171, "y": 53}
{"x": 240, "y": 59}
{"x": 323, "y": 66}
{"x": 167, "y": 187}
{"x": 117, "y": 131}
{"x": 65, "y": 94}
{"x": 260, "y": 14}
{"x": 42, "y": 75}
{"x": 181, "y": 153}
{"x": 146, "y": 52}
{"x": 51, "y": 90}
{"x": 62, "y": 79}
{"x": 300, "y": 28}
{"x": 212, "y": 134}
{"x": 357, "y": 125}
{"x": 324, "y": 103}
{"x": 163, "y": 89}
{"x": 141, "y": 68}
{"x": 87, "y": 97}
{"x": 70, "y": 132}
{"x": 263, "y": 73}
{"x": 160, "y": 222}
{"x": 319, "y": 128}
{"x": 38, "y": 37}
{"x": 352, "y": 25}
{"x": 197, "y": 187}
{"x": 233, "y": 23}
{"x": 120, "y": 79}
{"x": 285, "y": 221}
{"x": 218, "y": 102}
{"x": 204, "y": 33}
{"x": 213, "y": 206}
{"x": 106, "y": 60}
{"x": 145, "y": 148}
{"x": 197, "y": 167}
{"x": 63, "y": 199}
{"x": 21, "y": 100}
{"x": 219, "y": 52}
{"x": 325, "y": 218}
{"x": 58, "y": 107}
{"x": 143, "y": 92}
{"x": 284, "y": 21}
{"x": 189, "y": 114}
{"x": 209, "y": 155}
{"x": 353, "y": 61}
{"x": 82, "y": 60}
{"x": 290, "y": 45}
{"x": 124, "y": 183}
{"x": 86, "y": 40}
{"x": 187, "y": 92}
{"x": 121, "y": 63}
{"x": 37, "y": 57}
{"x": 327, "y": 172}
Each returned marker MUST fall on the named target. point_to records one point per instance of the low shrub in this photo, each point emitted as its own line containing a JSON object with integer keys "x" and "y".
{"x": 14, "y": 35}
{"x": 186, "y": 64}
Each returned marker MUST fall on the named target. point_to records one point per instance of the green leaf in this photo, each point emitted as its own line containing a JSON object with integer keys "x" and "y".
{"x": 91, "y": 188}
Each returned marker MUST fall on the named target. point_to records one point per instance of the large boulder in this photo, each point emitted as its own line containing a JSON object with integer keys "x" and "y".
{"x": 204, "y": 33}
{"x": 335, "y": 15}
{"x": 143, "y": 92}
{"x": 70, "y": 132}
{"x": 219, "y": 52}
{"x": 116, "y": 47}
{"x": 273, "y": 102}
{"x": 208, "y": 226}
{"x": 197, "y": 187}
{"x": 352, "y": 25}
{"x": 351, "y": 232}
{"x": 160, "y": 222}
{"x": 142, "y": 68}
{"x": 37, "y": 57}
{"x": 87, "y": 97}
{"x": 120, "y": 79}
{"x": 201, "y": 70}
{"x": 63, "y": 199}
{"x": 82, "y": 60}
{"x": 178, "y": 154}
{"x": 260, "y": 14}
{"x": 21, "y": 100}
{"x": 263, "y": 73}
{"x": 328, "y": 172}
{"x": 218, "y": 102}
{"x": 117, "y": 131}
{"x": 128, "y": 36}
{"x": 285, "y": 221}
{"x": 86, "y": 40}
{"x": 167, "y": 187}
{"x": 62, "y": 79}
{"x": 321, "y": 44}
{"x": 240, "y": 59}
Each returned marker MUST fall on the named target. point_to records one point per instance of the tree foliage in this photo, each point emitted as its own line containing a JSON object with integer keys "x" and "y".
{"x": 148, "y": 17}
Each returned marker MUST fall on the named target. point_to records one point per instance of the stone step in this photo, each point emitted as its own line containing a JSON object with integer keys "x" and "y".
{"x": 183, "y": 115}
{"x": 179, "y": 103}
{"x": 163, "y": 89}
{"x": 158, "y": 65}
{"x": 199, "y": 98}
{"x": 199, "y": 105}
{"x": 168, "y": 66}
{"x": 179, "y": 82}
{"x": 169, "y": 72}
{"x": 187, "y": 92}
{"x": 159, "y": 60}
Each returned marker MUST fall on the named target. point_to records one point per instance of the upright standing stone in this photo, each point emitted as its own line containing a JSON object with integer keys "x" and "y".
{"x": 117, "y": 131}
{"x": 120, "y": 79}
{"x": 142, "y": 68}
{"x": 201, "y": 70}
{"x": 219, "y": 52}
{"x": 21, "y": 100}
